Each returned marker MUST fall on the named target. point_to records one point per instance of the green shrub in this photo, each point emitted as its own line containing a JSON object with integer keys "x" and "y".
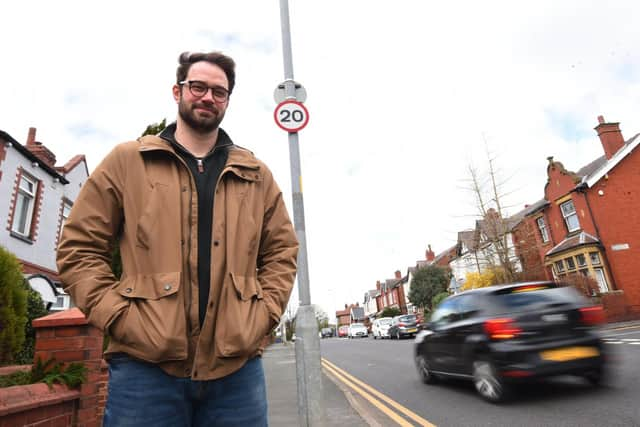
{"x": 436, "y": 300}
{"x": 390, "y": 312}
{"x": 35, "y": 310}
{"x": 13, "y": 307}
{"x": 49, "y": 372}
{"x": 16, "y": 378}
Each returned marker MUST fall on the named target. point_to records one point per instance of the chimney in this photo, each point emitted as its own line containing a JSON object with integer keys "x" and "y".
{"x": 398, "y": 274}
{"x": 39, "y": 150}
{"x": 378, "y": 285}
{"x": 346, "y": 306}
{"x": 610, "y": 137}
{"x": 31, "y": 138}
{"x": 430, "y": 254}
{"x": 357, "y": 304}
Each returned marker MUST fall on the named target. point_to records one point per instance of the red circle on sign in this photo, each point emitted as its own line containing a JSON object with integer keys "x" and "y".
{"x": 286, "y": 117}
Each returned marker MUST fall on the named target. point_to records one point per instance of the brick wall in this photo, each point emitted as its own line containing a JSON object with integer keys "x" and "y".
{"x": 616, "y": 308}
{"x": 67, "y": 337}
{"x": 614, "y": 201}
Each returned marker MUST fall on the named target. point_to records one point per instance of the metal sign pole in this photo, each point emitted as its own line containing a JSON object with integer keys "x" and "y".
{"x": 309, "y": 375}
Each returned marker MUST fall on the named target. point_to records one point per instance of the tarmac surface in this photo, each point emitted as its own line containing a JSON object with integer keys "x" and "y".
{"x": 343, "y": 408}
{"x": 279, "y": 363}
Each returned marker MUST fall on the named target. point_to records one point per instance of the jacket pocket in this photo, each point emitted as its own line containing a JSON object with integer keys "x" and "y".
{"x": 153, "y": 327}
{"x": 243, "y": 318}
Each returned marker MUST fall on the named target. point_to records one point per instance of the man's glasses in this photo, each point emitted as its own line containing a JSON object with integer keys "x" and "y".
{"x": 200, "y": 89}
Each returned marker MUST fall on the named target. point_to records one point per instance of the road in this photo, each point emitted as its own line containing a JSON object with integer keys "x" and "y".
{"x": 385, "y": 369}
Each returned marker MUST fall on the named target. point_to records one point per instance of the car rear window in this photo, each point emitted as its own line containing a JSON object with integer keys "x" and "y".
{"x": 358, "y": 324}
{"x": 534, "y": 296}
{"x": 385, "y": 321}
{"x": 408, "y": 318}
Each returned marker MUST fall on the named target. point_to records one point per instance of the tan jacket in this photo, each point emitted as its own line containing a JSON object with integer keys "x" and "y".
{"x": 144, "y": 193}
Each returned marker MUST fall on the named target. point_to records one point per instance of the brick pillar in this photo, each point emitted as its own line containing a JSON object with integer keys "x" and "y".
{"x": 68, "y": 337}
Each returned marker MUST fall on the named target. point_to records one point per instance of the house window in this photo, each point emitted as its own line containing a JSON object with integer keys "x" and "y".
{"x": 543, "y": 229}
{"x": 570, "y": 216}
{"x": 602, "y": 281}
{"x": 25, "y": 201}
{"x": 595, "y": 258}
{"x": 66, "y": 210}
{"x": 559, "y": 266}
{"x": 582, "y": 260}
{"x": 571, "y": 265}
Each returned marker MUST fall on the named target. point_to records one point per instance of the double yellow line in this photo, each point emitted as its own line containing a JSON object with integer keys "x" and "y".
{"x": 369, "y": 392}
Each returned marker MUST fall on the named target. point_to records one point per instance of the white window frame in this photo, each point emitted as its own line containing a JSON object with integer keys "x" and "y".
{"x": 601, "y": 279}
{"x": 569, "y": 214}
{"x": 542, "y": 226}
{"x": 582, "y": 264}
{"x": 570, "y": 263}
{"x": 66, "y": 210}
{"x": 24, "y": 205}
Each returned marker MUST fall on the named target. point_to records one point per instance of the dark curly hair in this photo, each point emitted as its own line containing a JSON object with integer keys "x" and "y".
{"x": 186, "y": 59}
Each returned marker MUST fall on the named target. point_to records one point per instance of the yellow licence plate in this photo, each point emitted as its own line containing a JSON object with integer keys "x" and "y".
{"x": 412, "y": 330}
{"x": 569, "y": 353}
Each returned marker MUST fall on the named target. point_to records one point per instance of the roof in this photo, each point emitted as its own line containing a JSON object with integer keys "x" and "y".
{"x": 370, "y": 295}
{"x": 32, "y": 157}
{"x": 576, "y": 240}
{"x": 357, "y": 313}
{"x": 468, "y": 238}
{"x": 450, "y": 252}
{"x": 597, "y": 171}
{"x": 535, "y": 207}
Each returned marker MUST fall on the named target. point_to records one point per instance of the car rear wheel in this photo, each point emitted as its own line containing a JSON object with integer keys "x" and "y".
{"x": 488, "y": 385}
{"x": 424, "y": 370}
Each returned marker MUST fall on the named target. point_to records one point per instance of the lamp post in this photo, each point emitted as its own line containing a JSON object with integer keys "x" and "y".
{"x": 308, "y": 372}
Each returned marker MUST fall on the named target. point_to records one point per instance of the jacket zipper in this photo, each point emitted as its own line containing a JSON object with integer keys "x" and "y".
{"x": 200, "y": 165}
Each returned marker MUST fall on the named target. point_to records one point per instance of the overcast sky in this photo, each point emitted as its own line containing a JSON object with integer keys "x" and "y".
{"x": 402, "y": 95}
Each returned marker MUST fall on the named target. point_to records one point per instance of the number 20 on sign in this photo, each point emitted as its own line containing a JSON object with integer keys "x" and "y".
{"x": 291, "y": 116}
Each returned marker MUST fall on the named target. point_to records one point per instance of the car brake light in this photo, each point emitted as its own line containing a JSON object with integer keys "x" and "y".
{"x": 501, "y": 329}
{"x": 592, "y": 315}
{"x": 401, "y": 324}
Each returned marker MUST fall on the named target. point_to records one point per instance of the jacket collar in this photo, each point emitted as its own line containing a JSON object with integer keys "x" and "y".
{"x": 238, "y": 156}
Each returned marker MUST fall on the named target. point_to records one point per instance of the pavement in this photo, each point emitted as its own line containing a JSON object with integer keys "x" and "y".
{"x": 279, "y": 361}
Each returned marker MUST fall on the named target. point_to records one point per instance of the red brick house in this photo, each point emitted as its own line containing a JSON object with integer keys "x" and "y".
{"x": 391, "y": 293}
{"x": 589, "y": 222}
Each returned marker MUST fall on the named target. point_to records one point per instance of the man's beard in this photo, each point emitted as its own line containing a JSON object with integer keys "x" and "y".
{"x": 197, "y": 123}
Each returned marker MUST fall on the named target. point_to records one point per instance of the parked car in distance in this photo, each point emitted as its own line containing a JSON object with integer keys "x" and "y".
{"x": 326, "y": 333}
{"x": 403, "y": 326}
{"x": 380, "y": 328}
{"x": 358, "y": 330}
{"x": 500, "y": 335}
{"x": 343, "y": 331}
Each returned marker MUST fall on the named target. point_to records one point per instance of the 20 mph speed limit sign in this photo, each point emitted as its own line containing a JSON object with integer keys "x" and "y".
{"x": 291, "y": 116}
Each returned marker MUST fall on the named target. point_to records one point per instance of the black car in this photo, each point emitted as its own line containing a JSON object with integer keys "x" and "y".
{"x": 403, "y": 326}
{"x": 326, "y": 332}
{"x": 500, "y": 335}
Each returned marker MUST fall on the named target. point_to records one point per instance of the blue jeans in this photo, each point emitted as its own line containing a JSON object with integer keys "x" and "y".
{"x": 142, "y": 394}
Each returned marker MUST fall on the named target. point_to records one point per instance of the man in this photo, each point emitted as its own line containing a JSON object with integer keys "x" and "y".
{"x": 208, "y": 258}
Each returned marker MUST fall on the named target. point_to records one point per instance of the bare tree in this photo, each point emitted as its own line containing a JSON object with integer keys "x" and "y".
{"x": 496, "y": 244}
